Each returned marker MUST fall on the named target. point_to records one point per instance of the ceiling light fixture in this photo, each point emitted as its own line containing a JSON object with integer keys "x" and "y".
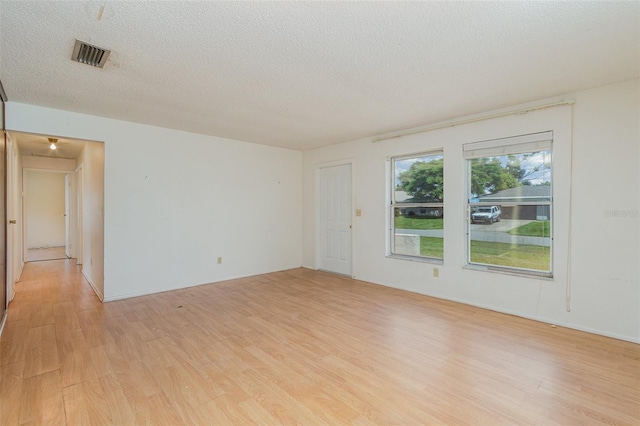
{"x": 53, "y": 142}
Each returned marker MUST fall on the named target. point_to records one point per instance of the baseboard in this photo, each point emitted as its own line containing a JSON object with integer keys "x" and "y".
{"x": 150, "y": 292}
{"x": 93, "y": 286}
{"x": 4, "y": 321}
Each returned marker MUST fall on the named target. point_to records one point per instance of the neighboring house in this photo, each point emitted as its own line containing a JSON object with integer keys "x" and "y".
{"x": 419, "y": 211}
{"x": 521, "y": 194}
{"x": 402, "y": 197}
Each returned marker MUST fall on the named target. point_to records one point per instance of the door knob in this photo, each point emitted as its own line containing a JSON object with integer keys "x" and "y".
{"x": 12, "y": 221}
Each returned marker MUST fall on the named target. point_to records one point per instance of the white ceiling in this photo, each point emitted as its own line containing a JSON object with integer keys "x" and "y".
{"x": 38, "y": 145}
{"x": 306, "y": 74}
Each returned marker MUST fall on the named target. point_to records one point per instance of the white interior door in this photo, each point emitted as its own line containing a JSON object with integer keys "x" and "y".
{"x": 335, "y": 219}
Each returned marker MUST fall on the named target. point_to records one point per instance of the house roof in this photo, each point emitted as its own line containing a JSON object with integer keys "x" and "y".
{"x": 520, "y": 193}
{"x": 307, "y": 74}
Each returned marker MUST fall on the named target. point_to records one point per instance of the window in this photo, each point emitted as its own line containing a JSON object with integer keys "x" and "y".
{"x": 416, "y": 205}
{"x": 510, "y": 204}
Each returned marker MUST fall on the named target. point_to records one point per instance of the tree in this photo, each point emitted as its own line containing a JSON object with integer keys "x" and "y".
{"x": 424, "y": 181}
{"x": 492, "y": 174}
{"x": 488, "y": 175}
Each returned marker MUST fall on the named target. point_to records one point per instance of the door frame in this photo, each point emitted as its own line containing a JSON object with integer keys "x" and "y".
{"x": 71, "y": 215}
{"x": 79, "y": 221}
{"x": 317, "y": 248}
{"x": 4, "y": 287}
{"x": 15, "y": 261}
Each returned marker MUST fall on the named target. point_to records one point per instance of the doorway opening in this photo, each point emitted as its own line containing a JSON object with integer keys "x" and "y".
{"x": 45, "y": 204}
{"x": 55, "y": 204}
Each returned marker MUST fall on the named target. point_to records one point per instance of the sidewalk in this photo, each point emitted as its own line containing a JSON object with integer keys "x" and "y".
{"x": 496, "y": 232}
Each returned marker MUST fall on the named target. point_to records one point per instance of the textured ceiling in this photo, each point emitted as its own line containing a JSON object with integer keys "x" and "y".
{"x": 306, "y": 74}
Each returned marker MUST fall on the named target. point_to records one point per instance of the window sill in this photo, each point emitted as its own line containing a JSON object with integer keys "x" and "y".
{"x": 546, "y": 276}
{"x": 431, "y": 260}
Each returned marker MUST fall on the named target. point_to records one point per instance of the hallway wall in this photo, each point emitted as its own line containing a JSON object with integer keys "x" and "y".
{"x": 92, "y": 161}
{"x": 44, "y": 201}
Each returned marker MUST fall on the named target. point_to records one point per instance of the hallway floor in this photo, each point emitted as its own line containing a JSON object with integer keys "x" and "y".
{"x": 50, "y": 253}
{"x": 296, "y": 347}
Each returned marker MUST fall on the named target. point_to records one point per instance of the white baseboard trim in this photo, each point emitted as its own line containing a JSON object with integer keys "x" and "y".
{"x": 93, "y": 286}
{"x": 553, "y": 322}
{"x": 149, "y": 292}
{"x": 4, "y": 321}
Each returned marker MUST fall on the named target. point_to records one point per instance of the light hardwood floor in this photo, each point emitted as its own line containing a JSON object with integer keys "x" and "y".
{"x": 297, "y": 347}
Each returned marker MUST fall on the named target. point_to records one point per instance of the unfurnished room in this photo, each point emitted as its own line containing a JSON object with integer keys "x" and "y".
{"x": 320, "y": 213}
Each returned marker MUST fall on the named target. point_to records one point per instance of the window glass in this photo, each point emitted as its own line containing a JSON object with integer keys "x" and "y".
{"x": 417, "y": 213}
{"x": 510, "y": 205}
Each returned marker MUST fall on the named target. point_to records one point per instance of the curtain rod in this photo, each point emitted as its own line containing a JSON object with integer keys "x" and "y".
{"x": 472, "y": 120}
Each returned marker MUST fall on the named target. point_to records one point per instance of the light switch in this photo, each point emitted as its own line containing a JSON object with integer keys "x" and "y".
{"x": 358, "y": 212}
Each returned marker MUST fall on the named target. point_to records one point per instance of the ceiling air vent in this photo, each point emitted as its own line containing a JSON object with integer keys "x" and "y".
{"x": 90, "y": 55}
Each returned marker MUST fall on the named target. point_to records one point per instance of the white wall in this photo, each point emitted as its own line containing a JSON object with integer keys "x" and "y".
{"x": 31, "y": 162}
{"x": 92, "y": 161}
{"x": 44, "y": 208}
{"x": 175, "y": 201}
{"x": 604, "y": 272}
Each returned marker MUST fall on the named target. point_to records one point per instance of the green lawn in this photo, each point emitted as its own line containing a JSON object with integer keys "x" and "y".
{"x": 404, "y": 222}
{"x": 431, "y": 247}
{"x": 513, "y": 255}
{"x": 499, "y": 254}
{"x": 538, "y": 228}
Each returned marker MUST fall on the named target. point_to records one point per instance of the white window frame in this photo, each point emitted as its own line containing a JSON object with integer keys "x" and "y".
{"x": 530, "y": 143}
{"x": 392, "y": 204}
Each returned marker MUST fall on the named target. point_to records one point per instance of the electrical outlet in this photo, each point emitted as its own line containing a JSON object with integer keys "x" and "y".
{"x": 436, "y": 272}
{"x": 219, "y": 260}
{"x": 358, "y": 212}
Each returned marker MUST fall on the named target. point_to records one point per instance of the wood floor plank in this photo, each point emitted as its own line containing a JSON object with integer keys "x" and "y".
{"x": 297, "y": 347}
{"x": 41, "y": 400}
{"x": 11, "y": 381}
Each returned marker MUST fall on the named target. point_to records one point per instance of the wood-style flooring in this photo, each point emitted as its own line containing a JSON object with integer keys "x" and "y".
{"x": 297, "y": 347}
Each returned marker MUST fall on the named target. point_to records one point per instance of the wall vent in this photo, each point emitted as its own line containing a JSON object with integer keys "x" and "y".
{"x": 90, "y": 55}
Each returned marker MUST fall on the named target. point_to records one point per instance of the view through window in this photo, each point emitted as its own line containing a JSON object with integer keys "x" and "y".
{"x": 417, "y": 196}
{"x": 510, "y": 203}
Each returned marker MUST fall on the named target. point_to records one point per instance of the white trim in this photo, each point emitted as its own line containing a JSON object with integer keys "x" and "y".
{"x": 4, "y": 320}
{"x": 79, "y": 218}
{"x": 508, "y": 146}
{"x": 93, "y": 286}
{"x": 473, "y": 119}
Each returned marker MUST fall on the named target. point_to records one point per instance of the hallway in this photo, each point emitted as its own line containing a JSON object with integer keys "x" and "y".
{"x": 44, "y": 346}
